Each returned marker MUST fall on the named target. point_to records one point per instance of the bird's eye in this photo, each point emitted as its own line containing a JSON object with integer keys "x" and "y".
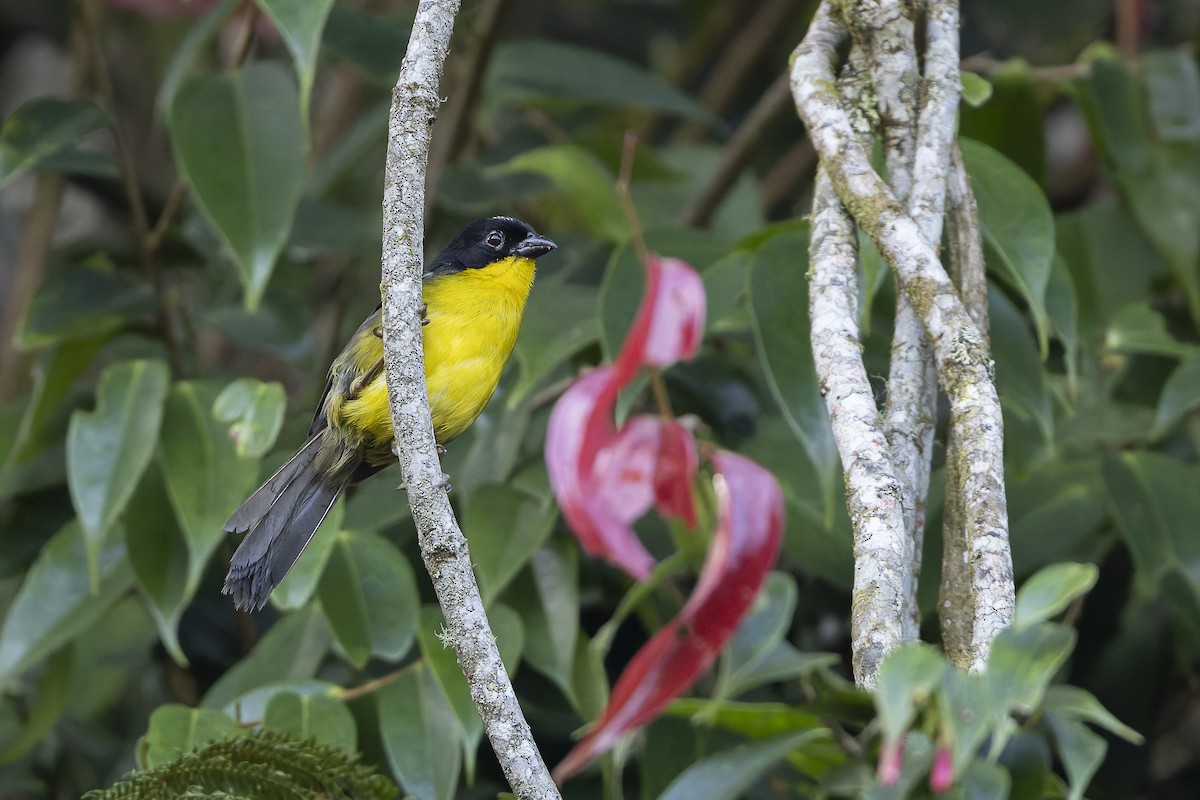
{"x": 495, "y": 240}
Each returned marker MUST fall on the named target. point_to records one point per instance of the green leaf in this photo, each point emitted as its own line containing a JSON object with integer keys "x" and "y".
{"x": 976, "y": 89}
{"x": 1072, "y": 701}
{"x": 758, "y": 653}
{"x": 547, "y": 600}
{"x": 109, "y": 448}
{"x": 84, "y": 301}
{"x": 779, "y": 300}
{"x": 1018, "y": 228}
{"x": 1152, "y": 497}
{"x": 1180, "y": 394}
{"x": 241, "y": 143}
{"x": 1081, "y": 751}
{"x": 504, "y": 528}
{"x": 292, "y": 649}
{"x": 420, "y": 735}
{"x": 175, "y": 730}
{"x": 531, "y": 69}
{"x": 1054, "y": 514}
{"x": 190, "y": 47}
{"x": 1156, "y": 178}
{"x": 905, "y": 682}
{"x": 375, "y": 44}
{"x": 1022, "y": 663}
{"x": 1020, "y": 379}
{"x": 301, "y": 23}
{"x": 205, "y": 478}
{"x": 756, "y": 720}
{"x": 158, "y": 553}
{"x": 312, "y": 716}
{"x": 40, "y": 128}
{"x": 560, "y": 320}
{"x": 443, "y": 665}
{"x": 369, "y": 594}
{"x": 732, "y": 772}
{"x": 582, "y": 179}
{"x": 54, "y": 604}
{"x": 966, "y": 709}
{"x": 53, "y": 695}
{"x": 984, "y": 780}
{"x": 254, "y": 412}
{"x": 1062, "y": 305}
{"x": 1137, "y": 328}
{"x": 1051, "y": 590}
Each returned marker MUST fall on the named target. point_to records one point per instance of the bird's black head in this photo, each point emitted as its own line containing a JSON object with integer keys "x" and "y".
{"x": 486, "y": 241}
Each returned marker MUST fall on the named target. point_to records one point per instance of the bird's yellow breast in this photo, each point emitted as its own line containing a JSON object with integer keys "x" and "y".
{"x": 473, "y": 320}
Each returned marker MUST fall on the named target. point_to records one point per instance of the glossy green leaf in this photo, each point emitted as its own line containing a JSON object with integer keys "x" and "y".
{"x": 906, "y": 679}
{"x": 1156, "y": 179}
{"x": 504, "y": 527}
{"x": 1172, "y": 84}
{"x": 755, "y": 720}
{"x": 985, "y": 781}
{"x": 779, "y": 300}
{"x": 731, "y": 773}
{"x": 1062, "y": 305}
{"x": 443, "y": 665}
{"x": 158, "y": 553}
{"x": 1018, "y": 228}
{"x": 175, "y": 730}
{"x": 375, "y": 44}
{"x": 251, "y": 706}
{"x": 759, "y": 652}
{"x": 1020, "y": 379}
{"x": 53, "y": 695}
{"x": 253, "y": 410}
{"x": 526, "y": 70}
{"x": 1053, "y": 513}
{"x": 1137, "y": 328}
{"x": 241, "y": 143}
{"x": 369, "y": 594}
{"x": 1011, "y": 119}
{"x": 205, "y": 478}
{"x": 192, "y": 46}
{"x": 303, "y": 579}
{"x": 560, "y": 320}
{"x": 312, "y": 716}
{"x": 420, "y": 735}
{"x": 1051, "y": 590}
{"x": 1152, "y": 497}
{"x": 1080, "y": 749}
{"x": 292, "y": 649}
{"x": 546, "y": 597}
{"x": 84, "y": 301}
{"x": 1021, "y": 665}
{"x": 967, "y": 714}
{"x": 109, "y": 448}
{"x": 1072, "y": 701}
{"x": 1180, "y": 394}
{"x": 582, "y": 180}
{"x": 54, "y": 373}
{"x": 54, "y": 603}
{"x": 40, "y": 128}
{"x": 301, "y": 23}
{"x": 976, "y": 89}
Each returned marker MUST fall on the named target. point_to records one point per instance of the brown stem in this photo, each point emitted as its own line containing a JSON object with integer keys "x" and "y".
{"x": 788, "y": 176}
{"x": 700, "y": 209}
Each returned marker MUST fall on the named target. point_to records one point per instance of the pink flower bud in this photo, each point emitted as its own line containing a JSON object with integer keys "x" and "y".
{"x": 891, "y": 760}
{"x": 941, "y": 774}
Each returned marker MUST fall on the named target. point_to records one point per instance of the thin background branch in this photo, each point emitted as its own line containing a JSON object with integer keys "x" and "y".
{"x": 415, "y": 104}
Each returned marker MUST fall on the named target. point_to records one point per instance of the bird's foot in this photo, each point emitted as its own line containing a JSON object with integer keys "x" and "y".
{"x": 441, "y": 451}
{"x": 424, "y": 312}
{"x": 444, "y": 483}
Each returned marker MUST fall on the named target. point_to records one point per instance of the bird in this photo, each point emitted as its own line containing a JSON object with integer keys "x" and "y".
{"x": 474, "y": 295}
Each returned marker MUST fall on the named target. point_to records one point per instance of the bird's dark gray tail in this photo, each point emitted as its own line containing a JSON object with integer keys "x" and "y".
{"x": 281, "y": 518}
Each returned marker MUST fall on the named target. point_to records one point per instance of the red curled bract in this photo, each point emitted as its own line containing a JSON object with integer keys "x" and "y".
{"x": 744, "y": 546}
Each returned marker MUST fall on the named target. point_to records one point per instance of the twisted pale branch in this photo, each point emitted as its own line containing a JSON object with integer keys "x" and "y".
{"x": 414, "y": 106}
{"x": 961, "y": 353}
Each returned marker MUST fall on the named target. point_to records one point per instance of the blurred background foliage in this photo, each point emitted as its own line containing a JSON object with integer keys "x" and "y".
{"x": 189, "y": 228}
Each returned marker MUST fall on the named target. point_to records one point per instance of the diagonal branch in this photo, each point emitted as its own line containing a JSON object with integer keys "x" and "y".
{"x": 961, "y": 353}
{"x": 414, "y": 106}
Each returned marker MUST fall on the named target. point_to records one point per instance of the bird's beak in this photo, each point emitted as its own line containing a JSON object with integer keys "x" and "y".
{"x": 534, "y": 245}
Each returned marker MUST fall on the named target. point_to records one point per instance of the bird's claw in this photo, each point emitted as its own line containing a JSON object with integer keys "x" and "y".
{"x": 424, "y": 314}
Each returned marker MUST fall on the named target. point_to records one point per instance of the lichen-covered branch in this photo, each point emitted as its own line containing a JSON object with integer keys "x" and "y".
{"x": 962, "y": 357}
{"x": 414, "y": 106}
{"x": 881, "y": 554}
